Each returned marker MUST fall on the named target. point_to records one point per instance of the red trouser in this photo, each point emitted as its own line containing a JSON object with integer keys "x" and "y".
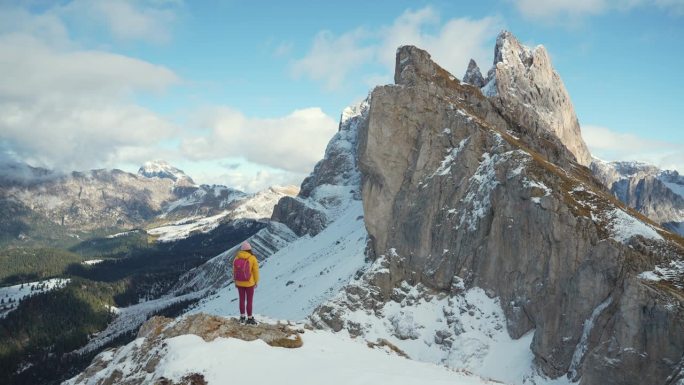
{"x": 249, "y": 293}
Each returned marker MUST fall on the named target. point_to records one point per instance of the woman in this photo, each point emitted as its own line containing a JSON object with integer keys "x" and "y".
{"x": 246, "y": 277}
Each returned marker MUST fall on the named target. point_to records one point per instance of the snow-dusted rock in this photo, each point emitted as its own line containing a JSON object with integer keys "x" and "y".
{"x": 473, "y": 75}
{"x": 141, "y": 361}
{"x": 533, "y": 94}
{"x": 203, "y": 349}
{"x": 531, "y": 228}
{"x": 162, "y": 169}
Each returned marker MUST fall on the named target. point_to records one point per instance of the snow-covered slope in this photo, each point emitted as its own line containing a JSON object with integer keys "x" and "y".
{"x": 204, "y": 349}
{"x": 325, "y": 358}
{"x": 315, "y": 249}
{"x": 11, "y": 296}
{"x": 304, "y": 273}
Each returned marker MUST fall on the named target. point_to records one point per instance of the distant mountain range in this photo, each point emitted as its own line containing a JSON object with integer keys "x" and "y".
{"x": 108, "y": 201}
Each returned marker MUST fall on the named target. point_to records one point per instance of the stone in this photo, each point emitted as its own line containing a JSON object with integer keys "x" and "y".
{"x": 473, "y": 75}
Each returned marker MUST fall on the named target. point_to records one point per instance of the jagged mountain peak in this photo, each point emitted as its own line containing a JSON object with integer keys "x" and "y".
{"x": 508, "y": 48}
{"x": 162, "y": 169}
{"x": 529, "y": 89}
{"x": 473, "y": 75}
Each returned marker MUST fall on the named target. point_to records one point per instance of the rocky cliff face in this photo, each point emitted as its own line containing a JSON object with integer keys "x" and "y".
{"x": 461, "y": 190}
{"x": 531, "y": 93}
{"x": 653, "y": 192}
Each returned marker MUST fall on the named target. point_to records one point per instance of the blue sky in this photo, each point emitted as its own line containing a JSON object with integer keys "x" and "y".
{"x": 248, "y": 94}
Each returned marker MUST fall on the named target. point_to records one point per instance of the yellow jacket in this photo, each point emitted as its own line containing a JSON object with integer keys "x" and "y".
{"x": 253, "y": 266}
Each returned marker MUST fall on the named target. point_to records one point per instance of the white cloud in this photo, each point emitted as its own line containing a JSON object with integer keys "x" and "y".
{"x": 30, "y": 67}
{"x": 332, "y": 59}
{"x": 611, "y": 145}
{"x": 68, "y": 107}
{"x": 250, "y": 181}
{"x": 572, "y": 9}
{"x": 452, "y": 45}
{"x": 294, "y": 142}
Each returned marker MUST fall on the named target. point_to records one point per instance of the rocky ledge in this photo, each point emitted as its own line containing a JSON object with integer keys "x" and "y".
{"x": 137, "y": 363}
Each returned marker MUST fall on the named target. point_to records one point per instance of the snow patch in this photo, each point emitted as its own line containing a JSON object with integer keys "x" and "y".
{"x": 13, "y": 295}
{"x": 536, "y": 184}
{"x": 583, "y": 345}
{"x": 452, "y": 153}
{"x": 672, "y": 271}
{"x": 624, "y": 226}
{"x": 477, "y": 200}
{"x": 123, "y": 234}
{"x": 490, "y": 89}
{"x": 183, "y": 229}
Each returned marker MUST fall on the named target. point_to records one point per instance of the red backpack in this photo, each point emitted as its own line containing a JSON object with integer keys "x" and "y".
{"x": 241, "y": 269}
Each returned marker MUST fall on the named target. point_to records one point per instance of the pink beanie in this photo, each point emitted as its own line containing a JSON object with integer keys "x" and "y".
{"x": 245, "y": 246}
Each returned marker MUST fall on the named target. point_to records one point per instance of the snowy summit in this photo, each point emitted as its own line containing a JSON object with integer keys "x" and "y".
{"x": 162, "y": 169}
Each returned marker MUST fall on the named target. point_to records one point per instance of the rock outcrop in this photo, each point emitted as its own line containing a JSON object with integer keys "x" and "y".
{"x": 655, "y": 193}
{"x": 137, "y": 362}
{"x": 473, "y": 75}
{"x": 458, "y": 187}
{"x": 532, "y": 94}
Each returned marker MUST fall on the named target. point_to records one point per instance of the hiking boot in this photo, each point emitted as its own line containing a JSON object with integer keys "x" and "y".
{"x": 243, "y": 319}
{"x": 251, "y": 321}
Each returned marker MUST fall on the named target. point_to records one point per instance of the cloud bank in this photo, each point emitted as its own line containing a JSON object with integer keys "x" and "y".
{"x": 68, "y": 107}
{"x": 294, "y": 142}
